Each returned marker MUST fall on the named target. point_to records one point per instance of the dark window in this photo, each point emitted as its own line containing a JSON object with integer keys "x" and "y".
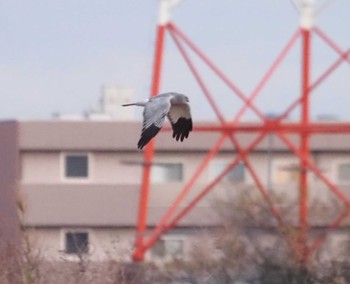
{"x": 237, "y": 174}
{"x": 169, "y": 247}
{"x": 344, "y": 172}
{"x": 77, "y": 242}
{"x": 167, "y": 172}
{"x": 76, "y": 166}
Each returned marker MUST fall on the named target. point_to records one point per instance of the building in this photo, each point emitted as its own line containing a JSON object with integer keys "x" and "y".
{"x": 108, "y": 107}
{"x": 113, "y": 96}
{"x": 79, "y": 182}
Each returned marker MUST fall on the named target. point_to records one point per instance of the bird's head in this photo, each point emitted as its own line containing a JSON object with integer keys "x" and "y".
{"x": 178, "y": 98}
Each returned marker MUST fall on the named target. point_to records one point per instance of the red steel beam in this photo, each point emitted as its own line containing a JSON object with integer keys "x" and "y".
{"x": 274, "y": 126}
{"x": 210, "y": 98}
{"x": 326, "y": 74}
{"x": 304, "y": 146}
{"x": 189, "y": 185}
{"x": 248, "y": 102}
{"x": 344, "y": 56}
{"x": 315, "y": 169}
{"x": 265, "y": 194}
{"x": 215, "y": 69}
{"x": 208, "y": 188}
{"x": 160, "y": 227}
{"x": 211, "y": 154}
{"x": 228, "y": 82}
{"x": 198, "y": 78}
{"x": 304, "y": 128}
{"x": 272, "y": 69}
{"x": 138, "y": 254}
{"x": 154, "y": 237}
{"x": 296, "y": 127}
{"x": 222, "y": 119}
{"x": 242, "y": 155}
{"x": 330, "y": 42}
{"x": 330, "y": 185}
{"x": 318, "y": 242}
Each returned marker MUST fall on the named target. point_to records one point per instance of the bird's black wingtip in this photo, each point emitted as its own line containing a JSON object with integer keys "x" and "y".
{"x": 146, "y": 136}
{"x": 182, "y": 128}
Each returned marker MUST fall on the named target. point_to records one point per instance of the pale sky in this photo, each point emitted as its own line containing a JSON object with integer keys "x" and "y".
{"x": 55, "y": 55}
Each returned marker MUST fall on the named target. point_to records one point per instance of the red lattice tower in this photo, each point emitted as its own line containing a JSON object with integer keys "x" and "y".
{"x": 304, "y": 128}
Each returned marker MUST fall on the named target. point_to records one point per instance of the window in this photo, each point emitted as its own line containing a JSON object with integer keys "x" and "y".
{"x": 343, "y": 173}
{"x": 167, "y": 172}
{"x": 168, "y": 248}
{"x": 76, "y": 166}
{"x": 76, "y": 243}
{"x": 236, "y": 175}
{"x": 287, "y": 173}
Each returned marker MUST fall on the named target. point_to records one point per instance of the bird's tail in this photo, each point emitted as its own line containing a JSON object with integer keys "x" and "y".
{"x": 141, "y": 103}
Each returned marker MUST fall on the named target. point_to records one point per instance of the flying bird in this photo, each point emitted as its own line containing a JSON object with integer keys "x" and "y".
{"x": 173, "y": 105}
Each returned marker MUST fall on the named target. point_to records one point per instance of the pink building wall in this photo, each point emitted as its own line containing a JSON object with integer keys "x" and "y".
{"x": 9, "y": 176}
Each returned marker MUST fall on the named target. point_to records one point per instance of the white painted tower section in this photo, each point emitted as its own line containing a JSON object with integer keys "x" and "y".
{"x": 165, "y": 9}
{"x": 307, "y": 14}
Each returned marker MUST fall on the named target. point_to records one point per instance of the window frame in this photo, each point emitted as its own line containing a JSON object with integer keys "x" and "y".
{"x": 287, "y": 166}
{"x": 66, "y": 178}
{"x": 225, "y": 164}
{"x": 159, "y": 164}
{"x": 336, "y": 167}
{"x": 66, "y": 231}
{"x": 167, "y": 255}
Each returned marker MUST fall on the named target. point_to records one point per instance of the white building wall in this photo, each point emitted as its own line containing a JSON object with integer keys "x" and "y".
{"x": 115, "y": 168}
{"x": 40, "y": 167}
{"x": 126, "y": 168}
{"x": 122, "y": 168}
{"x": 104, "y": 167}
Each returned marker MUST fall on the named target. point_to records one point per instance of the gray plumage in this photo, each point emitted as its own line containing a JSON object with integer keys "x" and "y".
{"x": 173, "y": 105}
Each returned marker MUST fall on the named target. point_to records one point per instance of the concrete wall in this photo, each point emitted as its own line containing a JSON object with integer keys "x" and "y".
{"x": 78, "y": 203}
{"x": 9, "y": 172}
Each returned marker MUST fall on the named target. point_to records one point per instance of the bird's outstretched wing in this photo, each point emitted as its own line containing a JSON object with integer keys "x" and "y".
{"x": 153, "y": 118}
{"x": 181, "y": 121}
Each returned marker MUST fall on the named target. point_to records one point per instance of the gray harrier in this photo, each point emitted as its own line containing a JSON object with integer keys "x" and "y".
{"x": 173, "y": 105}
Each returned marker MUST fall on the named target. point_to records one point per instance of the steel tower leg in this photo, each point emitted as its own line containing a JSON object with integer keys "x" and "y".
{"x": 306, "y": 25}
{"x": 304, "y": 128}
{"x": 304, "y": 148}
{"x": 148, "y": 154}
{"x": 164, "y": 17}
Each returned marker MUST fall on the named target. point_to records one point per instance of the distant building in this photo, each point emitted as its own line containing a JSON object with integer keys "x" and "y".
{"x": 109, "y": 106}
{"x": 80, "y": 181}
{"x": 113, "y": 96}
